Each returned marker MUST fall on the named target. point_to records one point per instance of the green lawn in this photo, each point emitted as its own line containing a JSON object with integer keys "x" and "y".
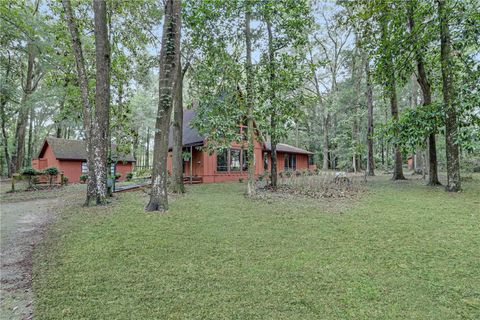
{"x": 403, "y": 251}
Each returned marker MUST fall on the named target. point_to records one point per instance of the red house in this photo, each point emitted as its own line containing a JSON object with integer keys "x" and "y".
{"x": 70, "y": 156}
{"x": 230, "y": 164}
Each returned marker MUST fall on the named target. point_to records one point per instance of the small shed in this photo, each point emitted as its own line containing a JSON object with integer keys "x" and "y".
{"x": 70, "y": 157}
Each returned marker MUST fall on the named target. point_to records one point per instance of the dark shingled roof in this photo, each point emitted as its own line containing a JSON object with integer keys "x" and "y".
{"x": 191, "y": 136}
{"x": 74, "y": 150}
{"x": 282, "y": 147}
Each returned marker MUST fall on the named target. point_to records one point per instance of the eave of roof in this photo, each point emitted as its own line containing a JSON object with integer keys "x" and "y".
{"x": 286, "y": 148}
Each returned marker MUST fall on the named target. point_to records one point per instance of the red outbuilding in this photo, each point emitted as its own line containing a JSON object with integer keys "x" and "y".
{"x": 231, "y": 163}
{"x": 70, "y": 156}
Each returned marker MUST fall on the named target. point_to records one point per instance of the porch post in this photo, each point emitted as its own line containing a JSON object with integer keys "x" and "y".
{"x": 191, "y": 164}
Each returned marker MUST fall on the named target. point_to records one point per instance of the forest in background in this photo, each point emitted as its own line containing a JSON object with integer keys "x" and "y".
{"x": 363, "y": 84}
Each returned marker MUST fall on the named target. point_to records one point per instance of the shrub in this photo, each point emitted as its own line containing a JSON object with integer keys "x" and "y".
{"x": 240, "y": 180}
{"x": 65, "y": 180}
{"x": 129, "y": 176}
{"x": 52, "y": 171}
{"x": 30, "y": 173}
{"x": 118, "y": 175}
{"x": 83, "y": 178}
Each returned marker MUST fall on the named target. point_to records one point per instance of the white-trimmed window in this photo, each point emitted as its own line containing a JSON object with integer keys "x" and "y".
{"x": 84, "y": 167}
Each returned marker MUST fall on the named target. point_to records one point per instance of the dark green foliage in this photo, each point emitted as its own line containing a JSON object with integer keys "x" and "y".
{"x": 129, "y": 176}
{"x": 118, "y": 175}
{"x": 52, "y": 171}
{"x": 30, "y": 172}
{"x": 83, "y": 177}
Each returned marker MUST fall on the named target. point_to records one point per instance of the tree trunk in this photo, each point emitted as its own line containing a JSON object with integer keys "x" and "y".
{"x": 398, "y": 169}
{"x": 326, "y": 121}
{"x": 451, "y": 145}
{"x": 23, "y": 112}
{"x": 356, "y": 77}
{"x": 273, "y": 119}
{"x": 369, "y": 94}
{"x": 84, "y": 93}
{"x": 3, "y": 119}
{"x": 169, "y": 57}
{"x": 100, "y": 132}
{"x": 249, "y": 89}
{"x": 427, "y": 100}
{"x": 391, "y": 88}
{"x": 147, "y": 150}
{"x": 177, "y": 146}
{"x": 30, "y": 138}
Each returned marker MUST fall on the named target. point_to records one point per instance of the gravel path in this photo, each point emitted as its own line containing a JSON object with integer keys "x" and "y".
{"x": 22, "y": 227}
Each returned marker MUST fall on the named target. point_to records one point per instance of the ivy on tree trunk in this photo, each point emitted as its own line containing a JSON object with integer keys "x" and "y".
{"x": 169, "y": 57}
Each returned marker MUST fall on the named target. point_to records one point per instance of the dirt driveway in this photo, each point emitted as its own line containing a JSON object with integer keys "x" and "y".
{"x": 22, "y": 227}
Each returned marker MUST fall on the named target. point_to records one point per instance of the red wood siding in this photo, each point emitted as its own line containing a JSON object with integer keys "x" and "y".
{"x": 72, "y": 169}
{"x": 205, "y": 165}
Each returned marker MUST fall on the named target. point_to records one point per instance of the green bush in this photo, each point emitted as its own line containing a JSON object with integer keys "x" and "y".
{"x": 30, "y": 173}
{"x": 52, "y": 171}
{"x": 129, "y": 176}
{"x": 83, "y": 178}
{"x": 65, "y": 180}
{"x": 118, "y": 175}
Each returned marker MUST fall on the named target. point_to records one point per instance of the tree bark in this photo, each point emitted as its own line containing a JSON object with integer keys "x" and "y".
{"x": 273, "y": 119}
{"x": 369, "y": 95}
{"x": 356, "y": 77}
{"x": 147, "y": 149}
{"x": 249, "y": 89}
{"x": 326, "y": 122}
{"x": 427, "y": 100}
{"x": 398, "y": 169}
{"x": 391, "y": 87}
{"x": 5, "y": 137}
{"x": 169, "y": 57}
{"x": 3, "y": 119}
{"x": 24, "y": 111}
{"x": 30, "y": 137}
{"x": 177, "y": 146}
{"x": 100, "y": 132}
{"x": 84, "y": 93}
{"x": 451, "y": 145}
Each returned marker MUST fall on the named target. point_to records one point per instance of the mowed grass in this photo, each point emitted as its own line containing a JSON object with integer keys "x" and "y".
{"x": 403, "y": 251}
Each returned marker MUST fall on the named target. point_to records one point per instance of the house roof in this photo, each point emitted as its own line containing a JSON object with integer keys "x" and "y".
{"x": 66, "y": 149}
{"x": 282, "y": 147}
{"x": 190, "y": 135}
